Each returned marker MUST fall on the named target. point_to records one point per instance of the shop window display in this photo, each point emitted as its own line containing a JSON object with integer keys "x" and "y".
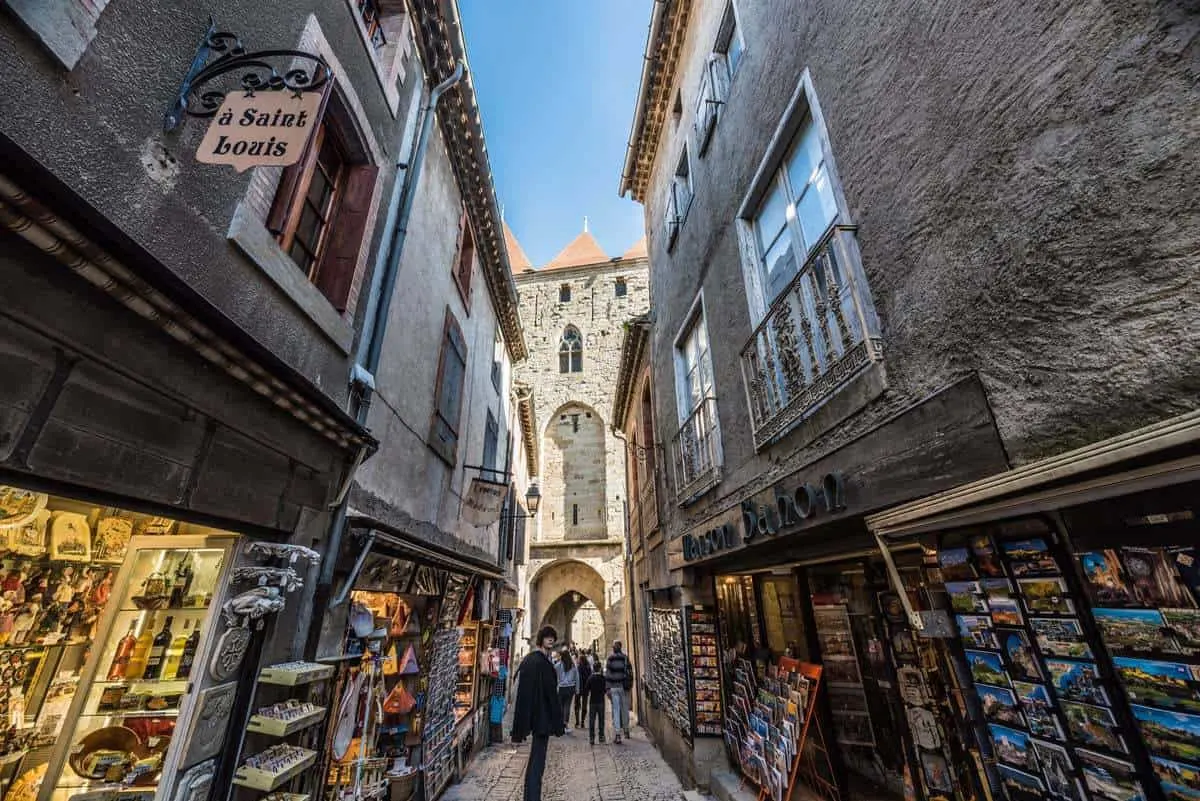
{"x": 107, "y": 620}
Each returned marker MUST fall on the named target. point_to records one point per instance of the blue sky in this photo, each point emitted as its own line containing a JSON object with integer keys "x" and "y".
{"x": 556, "y": 82}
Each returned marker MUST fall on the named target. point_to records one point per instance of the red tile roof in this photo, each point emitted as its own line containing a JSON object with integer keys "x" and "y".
{"x": 517, "y": 259}
{"x": 637, "y": 251}
{"x": 583, "y": 250}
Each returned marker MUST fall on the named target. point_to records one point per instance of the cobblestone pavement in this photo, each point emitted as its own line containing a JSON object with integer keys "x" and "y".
{"x": 575, "y": 771}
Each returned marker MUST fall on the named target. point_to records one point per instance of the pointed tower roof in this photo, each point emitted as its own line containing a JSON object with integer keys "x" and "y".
{"x": 517, "y": 259}
{"x": 637, "y": 251}
{"x": 584, "y": 249}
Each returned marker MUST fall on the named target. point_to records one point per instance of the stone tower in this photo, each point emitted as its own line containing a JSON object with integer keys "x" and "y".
{"x": 574, "y": 310}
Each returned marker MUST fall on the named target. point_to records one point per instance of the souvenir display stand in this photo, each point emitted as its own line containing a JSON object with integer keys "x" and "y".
{"x": 704, "y": 663}
{"x": 772, "y": 733}
{"x": 468, "y": 671}
{"x": 499, "y": 667}
{"x": 667, "y": 681}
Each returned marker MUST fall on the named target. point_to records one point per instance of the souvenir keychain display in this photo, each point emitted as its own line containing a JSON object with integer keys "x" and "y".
{"x": 1144, "y": 604}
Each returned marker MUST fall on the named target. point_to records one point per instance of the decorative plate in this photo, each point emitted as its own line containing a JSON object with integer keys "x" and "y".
{"x": 196, "y": 784}
{"x": 70, "y": 538}
{"x": 18, "y": 506}
{"x": 230, "y": 651}
{"x": 29, "y": 538}
{"x": 112, "y": 539}
{"x": 214, "y": 706}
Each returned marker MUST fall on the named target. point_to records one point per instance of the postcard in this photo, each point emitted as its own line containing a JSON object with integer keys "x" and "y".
{"x": 1046, "y": 596}
{"x": 1165, "y": 684}
{"x": 1105, "y": 582}
{"x": 1186, "y": 560}
{"x": 937, "y": 772}
{"x": 1006, "y": 612}
{"x": 1012, "y": 747}
{"x": 986, "y": 668}
{"x": 1020, "y": 785}
{"x": 1057, "y": 770}
{"x": 986, "y": 557}
{"x": 1105, "y": 777}
{"x": 1154, "y": 578}
{"x": 1035, "y": 703}
{"x": 1060, "y": 637}
{"x": 1077, "y": 681}
{"x": 1022, "y": 664}
{"x": 1179, "y": 774}
{"x": 1139, "y": 630}
{"x": 966, "y": 597}
{"x": 1031, "y": 557}
{"x": 1173, "y": 735}
{"x": 975, "y": 631}
{"x": 1093, "y": 726}
{"x": 1185, "y": 627}
{"x": 955, "y": 564}
{"x": 999, "y": 705}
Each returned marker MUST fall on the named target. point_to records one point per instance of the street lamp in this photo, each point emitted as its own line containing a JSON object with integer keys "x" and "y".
{"x": 533, "y": 499}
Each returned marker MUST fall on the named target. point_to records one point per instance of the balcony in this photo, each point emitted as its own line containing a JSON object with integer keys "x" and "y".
{"x": 696, "y": 453}
{"x": 819, "y": 333}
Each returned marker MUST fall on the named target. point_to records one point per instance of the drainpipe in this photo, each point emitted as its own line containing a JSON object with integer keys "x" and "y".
{"x": 379, "y": 301}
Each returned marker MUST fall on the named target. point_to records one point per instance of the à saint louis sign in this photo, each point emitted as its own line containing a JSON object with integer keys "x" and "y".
{"x": 263, "y": 129}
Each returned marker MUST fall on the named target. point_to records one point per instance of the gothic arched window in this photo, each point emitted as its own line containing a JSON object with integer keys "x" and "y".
{"x": 570, "y": 352}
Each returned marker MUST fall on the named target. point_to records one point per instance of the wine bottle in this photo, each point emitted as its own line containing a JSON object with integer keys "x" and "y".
{"x": 120, "y": 660}
{"x": 189, "y": 654}
{"x": 141, "y": 651}
{"x": 181, "y": 585}
{"x": 175, "y": 652}
{"x": 158, "y": 651}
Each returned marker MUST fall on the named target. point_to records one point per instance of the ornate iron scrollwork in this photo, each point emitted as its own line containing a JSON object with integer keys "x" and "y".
{"x": 206, "y": 84}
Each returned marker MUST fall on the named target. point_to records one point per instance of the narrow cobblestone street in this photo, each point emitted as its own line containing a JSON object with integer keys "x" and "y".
{"x": 575, "y": 771}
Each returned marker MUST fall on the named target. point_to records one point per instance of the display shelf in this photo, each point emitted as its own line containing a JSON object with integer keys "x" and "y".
{"x": 258, "y": 779}
{"x": 173, "y": 610}
{"x": 133, "y": 713}
{"x": 282, "y": 728}
{"x": 288, "y": 797}
{"x": 295, "y": 675}
{"x": 181, "y": 683}
{"x": 15, "y": 756}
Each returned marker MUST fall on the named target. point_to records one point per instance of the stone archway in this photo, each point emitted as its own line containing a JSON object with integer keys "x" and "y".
{"x": 558, "y": 590}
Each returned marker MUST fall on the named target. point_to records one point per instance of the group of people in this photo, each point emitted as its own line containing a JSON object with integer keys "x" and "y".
{"x": 551, "y": 684}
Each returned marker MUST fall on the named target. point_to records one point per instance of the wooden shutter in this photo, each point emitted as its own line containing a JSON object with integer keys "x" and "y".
{"x": 293, "y": 182}
{"x": 340, "y": 260}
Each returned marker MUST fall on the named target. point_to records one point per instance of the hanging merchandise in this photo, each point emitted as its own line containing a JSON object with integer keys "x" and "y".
{"x": 391, "y": 662}
{"x": 408, "y": 665}
{"x": 399, "y": 701}
{"x": 667, "y": 680}
{"x": 347, "y": 716}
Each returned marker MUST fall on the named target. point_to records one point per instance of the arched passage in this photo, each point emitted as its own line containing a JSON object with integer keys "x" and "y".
{"x": 558, "y": 590}
{"x": 574, "y": 475}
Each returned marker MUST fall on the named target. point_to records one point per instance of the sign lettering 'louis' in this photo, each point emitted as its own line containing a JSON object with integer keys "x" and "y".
{"x": 267, "y": 129}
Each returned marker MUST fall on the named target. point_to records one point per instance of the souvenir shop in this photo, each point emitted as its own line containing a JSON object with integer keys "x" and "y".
{"x": 1073, "y": 588}
{"x": 125, "y": 638}
{"x": 419, "y": 668}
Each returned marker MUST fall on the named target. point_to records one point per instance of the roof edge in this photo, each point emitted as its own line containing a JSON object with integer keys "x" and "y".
{"x": 633, "y": 348}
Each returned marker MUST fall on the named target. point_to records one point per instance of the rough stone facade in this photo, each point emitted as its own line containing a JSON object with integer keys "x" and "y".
{"x": 583, "y": 463}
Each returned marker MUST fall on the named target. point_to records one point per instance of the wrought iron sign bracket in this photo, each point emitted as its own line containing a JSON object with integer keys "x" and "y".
{"x": 203, "y": 90}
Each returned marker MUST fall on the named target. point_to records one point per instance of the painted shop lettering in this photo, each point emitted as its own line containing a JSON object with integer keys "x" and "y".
{"x": 264, "y": 119}
{"x": 711, "y": 541}
{"x": 260, "y": 130}
{"x": 795, "y": 508}
{"x": 241, "y": 147}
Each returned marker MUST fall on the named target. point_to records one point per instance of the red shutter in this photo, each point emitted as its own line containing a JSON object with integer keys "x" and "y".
{"x": 345, "y": 239}
{"x": 287, "y": 195}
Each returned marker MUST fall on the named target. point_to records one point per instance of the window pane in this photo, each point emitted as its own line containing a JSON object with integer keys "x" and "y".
{"x": 309, "y": 228}
{"x": 577, "y": 361}
{"x": 734, "y": 51}
{"x": 319, "y": 191}
{"x": 817, "y": 208}
{"x": 805, "y": 158}
{"x": 300, "y": 256}
{"x": 779, "y": 258}
{"x": 772, "y": 217}
{"x": 564, "y": 361}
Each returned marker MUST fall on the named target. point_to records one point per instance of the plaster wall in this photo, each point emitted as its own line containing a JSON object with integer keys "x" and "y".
{"x": 407, "y": 483}
{"x": 1023, "y": 178}
{"x": 98, "y": 128}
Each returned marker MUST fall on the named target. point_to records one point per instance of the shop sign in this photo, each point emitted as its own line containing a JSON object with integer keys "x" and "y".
{"x": 265, "y": 129}
{"x": 791, "y": 509}
{"x": 484, "y": 502}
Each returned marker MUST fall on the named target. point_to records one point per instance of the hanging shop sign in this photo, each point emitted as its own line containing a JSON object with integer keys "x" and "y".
{"x": 264, "y": 104}
{"x": 483, "y": 502}
{"x": 793, "y": 507}
{"x": 267, "y": 129}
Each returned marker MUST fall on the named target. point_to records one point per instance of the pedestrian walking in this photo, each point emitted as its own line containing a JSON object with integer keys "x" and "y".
{"x": 618, "y": 675}
{"x": 568, "y": 681}
{"x": 596, "y": 688}
{"x": 537, "y": 711}
{"x": 581, "y": 695}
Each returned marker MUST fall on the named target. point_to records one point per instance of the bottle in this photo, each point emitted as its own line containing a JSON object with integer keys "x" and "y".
{"x": 175, "y": 652}
{"x": 181, "y": 584}
{"x": 141, "y": 651}
{"x": 189, "y": 654}
{"x": 120, "y": 662}
{"x": 158, "y": 651}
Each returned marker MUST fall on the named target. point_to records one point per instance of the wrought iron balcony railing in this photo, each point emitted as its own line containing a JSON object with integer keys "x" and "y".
{"x": 696, "y": 452}
{"x": 818, "y": 334}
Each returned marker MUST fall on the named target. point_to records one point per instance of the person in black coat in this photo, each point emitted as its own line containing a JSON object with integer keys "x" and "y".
{"x": 537, "y": 711}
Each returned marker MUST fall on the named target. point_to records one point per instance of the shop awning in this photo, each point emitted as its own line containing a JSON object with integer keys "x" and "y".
{"x": 400, "y": 543}
{"x": 1155, "y": 456}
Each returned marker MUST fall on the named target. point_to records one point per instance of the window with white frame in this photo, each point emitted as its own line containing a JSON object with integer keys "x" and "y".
{"x": 729, "y": 41}
{"x": 797, "y": 210}
{"x": 679, "y": 199}
{"x": 697, "y": 445}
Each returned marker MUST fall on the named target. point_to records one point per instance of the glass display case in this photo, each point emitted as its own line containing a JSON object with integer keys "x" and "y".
{"x": 136, "y": 691}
